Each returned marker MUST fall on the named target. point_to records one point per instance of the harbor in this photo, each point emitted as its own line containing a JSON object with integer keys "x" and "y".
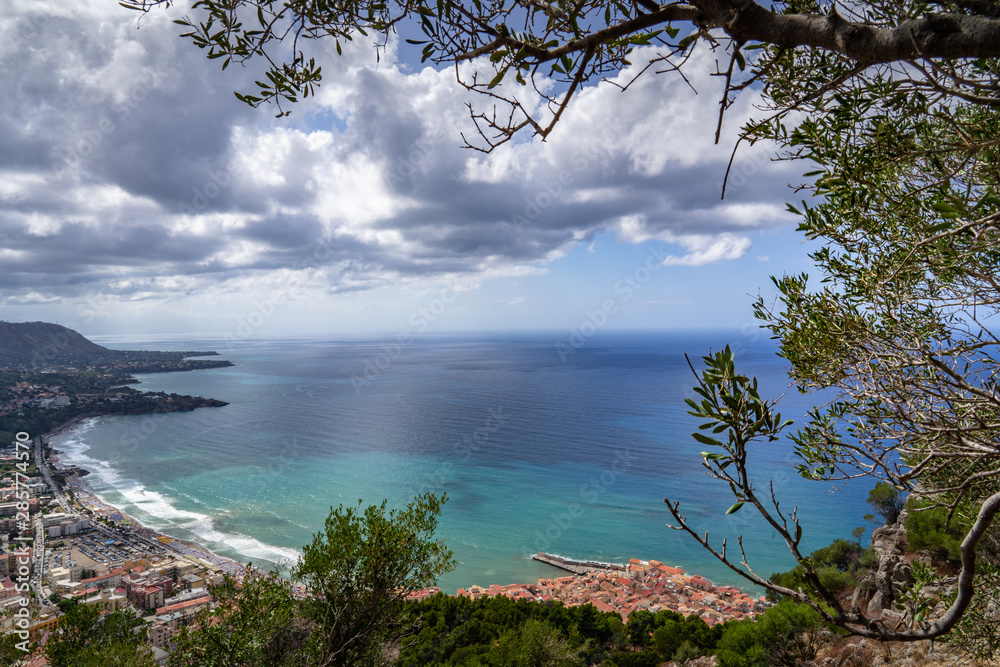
{"x": 578, "y": 566}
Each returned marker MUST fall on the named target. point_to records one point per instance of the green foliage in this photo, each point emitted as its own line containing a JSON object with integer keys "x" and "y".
{"x": 667, "y": 639}
{"x": 358, "y": 570}
{"x": 686, "y": 652}
{"x": 978, "y": 633}
{"x": 66, "y": 605}
{"x": 904, "y": 202}
{"x": 460, "y": 631}
{"x": 840, "y": 554}
{"x": 868, "y": 559}
{"x": 534, "y": 644}
{"x": 836, "y": 565}
{"x": 254, "y": 625}
{"x": 928, "y": 531}
{"x": 786, "y": 635}
{"x": 10, "y": 654}
{"x": 85, "y": 639}
{"x": 887, "y": 500}
{"x": 630, "y": 659}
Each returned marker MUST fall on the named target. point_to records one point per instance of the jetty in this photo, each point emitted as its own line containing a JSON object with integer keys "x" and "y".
{"x": 579, "y": 566}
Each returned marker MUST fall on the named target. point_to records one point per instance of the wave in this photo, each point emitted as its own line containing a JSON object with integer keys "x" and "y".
{"x": 158, "y": 512}
{"x": 249, "y": 547}
{"x": 72, "y": 439}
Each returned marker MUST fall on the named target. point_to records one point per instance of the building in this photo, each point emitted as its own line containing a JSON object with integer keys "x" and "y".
{"x": 67, "y": 527}
{"x": 8, "y": 589}
{"x": 43, "y": 626}
{"x": 66, "y": 587}
{"x": 112, "y": 579}
{"x": 147, "y": 589}
{"x": 107, "y": 600}
{"x": 74, "y": 573}
{"x": 416, "y": 596}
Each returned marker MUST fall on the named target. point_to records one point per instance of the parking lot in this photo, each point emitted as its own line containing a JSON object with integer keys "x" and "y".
{"x": 90, "y": 549}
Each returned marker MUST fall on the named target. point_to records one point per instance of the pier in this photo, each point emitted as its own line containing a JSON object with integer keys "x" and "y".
{"x": 578, "y": 566}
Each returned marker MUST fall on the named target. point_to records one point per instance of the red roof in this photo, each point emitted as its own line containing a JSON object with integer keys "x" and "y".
{"x": 183, "y": 605}
{"x": 603, "y": 606}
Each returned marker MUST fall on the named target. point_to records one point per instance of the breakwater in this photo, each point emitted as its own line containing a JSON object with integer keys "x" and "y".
{"x": 578, "y": 566}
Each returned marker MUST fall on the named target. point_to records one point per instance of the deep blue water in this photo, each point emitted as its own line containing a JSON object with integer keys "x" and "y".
{"x": 537, "y": 452}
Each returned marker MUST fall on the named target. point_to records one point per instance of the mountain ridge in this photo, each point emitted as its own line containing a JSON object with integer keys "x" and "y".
{"x": 39, "y": 344}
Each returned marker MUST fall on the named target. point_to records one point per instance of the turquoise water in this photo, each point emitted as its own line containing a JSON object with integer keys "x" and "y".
{"x": 570, "y": 457}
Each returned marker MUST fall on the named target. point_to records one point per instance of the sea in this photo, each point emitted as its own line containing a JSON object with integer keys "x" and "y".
{"x": 542, "y": 442}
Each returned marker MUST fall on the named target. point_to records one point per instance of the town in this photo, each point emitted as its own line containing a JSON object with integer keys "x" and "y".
{"x": 61, "y": 545}
{"x": 623, "y": 589}
{"x": 83, "y": 551}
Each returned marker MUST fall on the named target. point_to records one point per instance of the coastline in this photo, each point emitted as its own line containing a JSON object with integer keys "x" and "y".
{"x": 67, "y": 426}
{"x": 87, "y": 498}
{"x": 98, "y": 507}
{"x": 609, "y": 587}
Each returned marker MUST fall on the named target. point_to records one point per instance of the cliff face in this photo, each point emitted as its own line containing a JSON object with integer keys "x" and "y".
{"x": 893, "y": 574}
{"x": 878, "y": 590}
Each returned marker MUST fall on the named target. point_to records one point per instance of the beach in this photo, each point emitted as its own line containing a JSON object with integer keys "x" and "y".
{"x": 99, "y": 508}
{"x": 535, "y": 456}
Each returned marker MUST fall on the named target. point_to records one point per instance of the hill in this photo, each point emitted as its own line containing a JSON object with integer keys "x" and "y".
{"x": 42, "y": 344}
{"x": 22, "y": 341}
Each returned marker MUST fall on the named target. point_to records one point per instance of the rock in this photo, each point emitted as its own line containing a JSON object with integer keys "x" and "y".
{"x": 891, "y": 618}
{"x": 876, "y": 605}
{"x": 902, "y": 576}
{"x": 855, "y": 598}
{"x": 892, "y": 573}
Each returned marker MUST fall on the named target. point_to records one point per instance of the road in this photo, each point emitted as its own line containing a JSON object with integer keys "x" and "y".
{"x": 67, "y": 508}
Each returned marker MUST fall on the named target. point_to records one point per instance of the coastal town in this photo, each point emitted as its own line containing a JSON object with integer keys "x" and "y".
{"x": 74, "y": 547}
{"x": 623, "y": 589}
{"x": 62, "y": 545}
{"x": 84, "y": 550}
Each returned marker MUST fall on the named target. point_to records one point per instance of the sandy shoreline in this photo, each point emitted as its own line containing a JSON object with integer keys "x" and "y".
{"x": 100, "y": 508}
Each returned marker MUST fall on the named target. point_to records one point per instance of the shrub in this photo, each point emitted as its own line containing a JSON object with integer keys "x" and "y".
{"x": 928, "y": 531}
{"x": 887, "y": 501}
{"x": 786, "y": 635}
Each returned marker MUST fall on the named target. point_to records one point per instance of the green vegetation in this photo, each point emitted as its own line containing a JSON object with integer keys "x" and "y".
{"x": 785, "y": 635}
{"x": 10, "y": 654}
{"x": 254, "y": 626}
{"x": 887, "y": 501}
{"x": 85, "y": 639}
{"x": 501, "y": 631}
{"x": 534, "y": 643}
{"x": 929, "y": 531}
{"x": 837, "y": 566}
{"x": 842, "y": 563}
{"x": 357, "y": 572}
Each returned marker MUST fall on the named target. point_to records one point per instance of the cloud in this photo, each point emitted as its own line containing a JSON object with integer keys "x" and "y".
{"x": 708, "y": 249}
{"x": 29, "y": 298}
{"x": 128, "y": 170}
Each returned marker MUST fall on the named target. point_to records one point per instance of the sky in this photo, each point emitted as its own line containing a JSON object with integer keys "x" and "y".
{"x": 138, "y": 195}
